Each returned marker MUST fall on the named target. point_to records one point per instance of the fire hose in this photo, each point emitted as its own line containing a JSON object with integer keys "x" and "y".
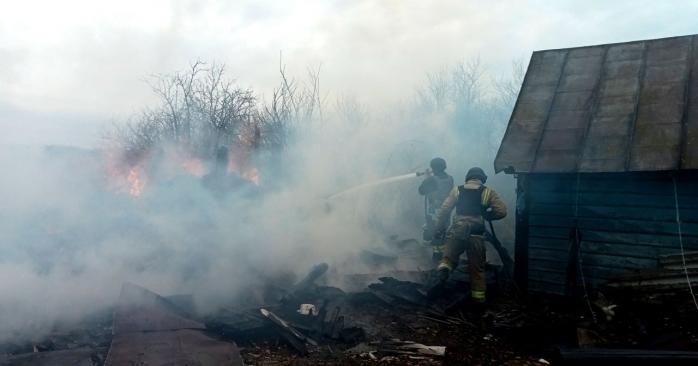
{"x": 507, "y": 261}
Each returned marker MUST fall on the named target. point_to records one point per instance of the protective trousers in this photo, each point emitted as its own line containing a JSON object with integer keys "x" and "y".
{"x": 437, "y": 244}
{"x": 465, "y": 236}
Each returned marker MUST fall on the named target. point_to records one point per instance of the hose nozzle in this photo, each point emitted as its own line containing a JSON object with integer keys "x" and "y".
{"x": 426, "y": 172}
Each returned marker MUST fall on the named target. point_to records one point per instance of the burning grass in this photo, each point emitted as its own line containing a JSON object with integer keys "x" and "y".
{"x": 134, "y": 175}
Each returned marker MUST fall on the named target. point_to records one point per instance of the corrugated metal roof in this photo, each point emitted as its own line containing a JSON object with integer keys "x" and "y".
{"x": 607, "y": 108}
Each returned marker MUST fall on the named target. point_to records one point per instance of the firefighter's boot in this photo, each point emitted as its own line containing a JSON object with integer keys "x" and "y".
{"x": 439, "y": 278}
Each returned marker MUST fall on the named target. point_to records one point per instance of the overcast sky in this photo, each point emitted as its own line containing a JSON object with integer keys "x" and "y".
{"x": 68, "y": 67}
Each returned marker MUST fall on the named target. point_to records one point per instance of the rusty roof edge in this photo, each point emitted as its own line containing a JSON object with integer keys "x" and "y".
{"x": 508, "y": 130}
{"x": 613, "y": 44}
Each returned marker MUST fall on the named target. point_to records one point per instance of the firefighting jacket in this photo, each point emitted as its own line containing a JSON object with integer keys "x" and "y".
{"x": 436, "y": 188}
{"x": 491, "y": 207}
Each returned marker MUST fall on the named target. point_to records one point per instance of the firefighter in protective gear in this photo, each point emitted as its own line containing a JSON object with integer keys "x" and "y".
{"x": 474, "y": 203}
{"x": 435, "y": 188}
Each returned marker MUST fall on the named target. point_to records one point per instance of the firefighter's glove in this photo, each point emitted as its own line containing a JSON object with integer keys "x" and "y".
{"x": 487, "y": 214}
{"x": 429, "y": 185}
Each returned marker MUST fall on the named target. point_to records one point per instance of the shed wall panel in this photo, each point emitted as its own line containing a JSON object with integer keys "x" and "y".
{"x": 627, "y": 220}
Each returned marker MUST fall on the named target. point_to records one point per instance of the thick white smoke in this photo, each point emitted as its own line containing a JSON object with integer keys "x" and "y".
{"x": 68, "y": 239}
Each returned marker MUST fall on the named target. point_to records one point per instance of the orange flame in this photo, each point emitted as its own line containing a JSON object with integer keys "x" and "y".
{"x": 132, "y": 176}
{"x": 251, "y": 174}
{"x": 123, "y": 176}
{"x": 194, "y": 167}
{"x": 136, "y": 181}
{"x": 238, "y": 165}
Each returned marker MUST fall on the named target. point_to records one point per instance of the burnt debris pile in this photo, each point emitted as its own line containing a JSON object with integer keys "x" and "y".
{"x": 387, "y": 318}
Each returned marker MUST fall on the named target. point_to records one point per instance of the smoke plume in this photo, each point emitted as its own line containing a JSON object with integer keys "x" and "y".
{"x": 75, "y": 225}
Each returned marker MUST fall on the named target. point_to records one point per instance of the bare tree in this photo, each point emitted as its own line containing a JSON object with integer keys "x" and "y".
{"x": 508, "y": 87}
{"x": 456, "y": 87}
{"x": 466, "y": 82}
{"x": 434, "y": 95}
{"x": 293, "y": 104}
{"x": 223, "y": 108}
{"x": 202, "y": 109}
{"x": 351, "y": 111}
{"x": 468, "y": 104}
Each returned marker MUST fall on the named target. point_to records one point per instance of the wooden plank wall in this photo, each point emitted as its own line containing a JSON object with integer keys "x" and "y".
{"x": 626, "y": 220}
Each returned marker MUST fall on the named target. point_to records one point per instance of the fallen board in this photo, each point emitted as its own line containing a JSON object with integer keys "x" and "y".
{"x": 73, "y": 357}
{"x": 141, "y": 310}
{"x": 171, "y": 348}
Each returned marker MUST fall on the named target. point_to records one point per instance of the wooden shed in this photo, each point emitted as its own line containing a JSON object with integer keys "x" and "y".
{"x": 605, "y": 139}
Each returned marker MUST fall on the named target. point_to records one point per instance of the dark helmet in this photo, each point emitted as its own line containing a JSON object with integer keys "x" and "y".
{"x": 437, "y": 165}
{"x": 476, "y": 173}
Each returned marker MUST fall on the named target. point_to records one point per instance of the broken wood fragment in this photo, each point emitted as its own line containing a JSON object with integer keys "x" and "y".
{"x": 398, "y": 347}
{"x": 294, "y": 337}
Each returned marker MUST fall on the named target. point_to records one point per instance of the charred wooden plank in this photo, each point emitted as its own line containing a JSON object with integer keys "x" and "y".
{"x": 179, "y": 347}
{"x": 139, "y": 309}
{"x": 72, "y": 357}
{"x": 295, "y": 338}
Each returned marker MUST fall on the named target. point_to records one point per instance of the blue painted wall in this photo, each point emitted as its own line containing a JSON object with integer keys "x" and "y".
{"x": 627, "y": 220}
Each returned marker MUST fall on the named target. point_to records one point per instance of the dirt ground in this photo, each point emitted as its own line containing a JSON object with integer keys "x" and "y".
{"x": 465, "y": 342}
{"x": 514, "y": 331}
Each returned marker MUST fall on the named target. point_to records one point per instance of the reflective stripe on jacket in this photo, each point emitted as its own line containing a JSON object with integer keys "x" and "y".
{"x": 490, "y": 200}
